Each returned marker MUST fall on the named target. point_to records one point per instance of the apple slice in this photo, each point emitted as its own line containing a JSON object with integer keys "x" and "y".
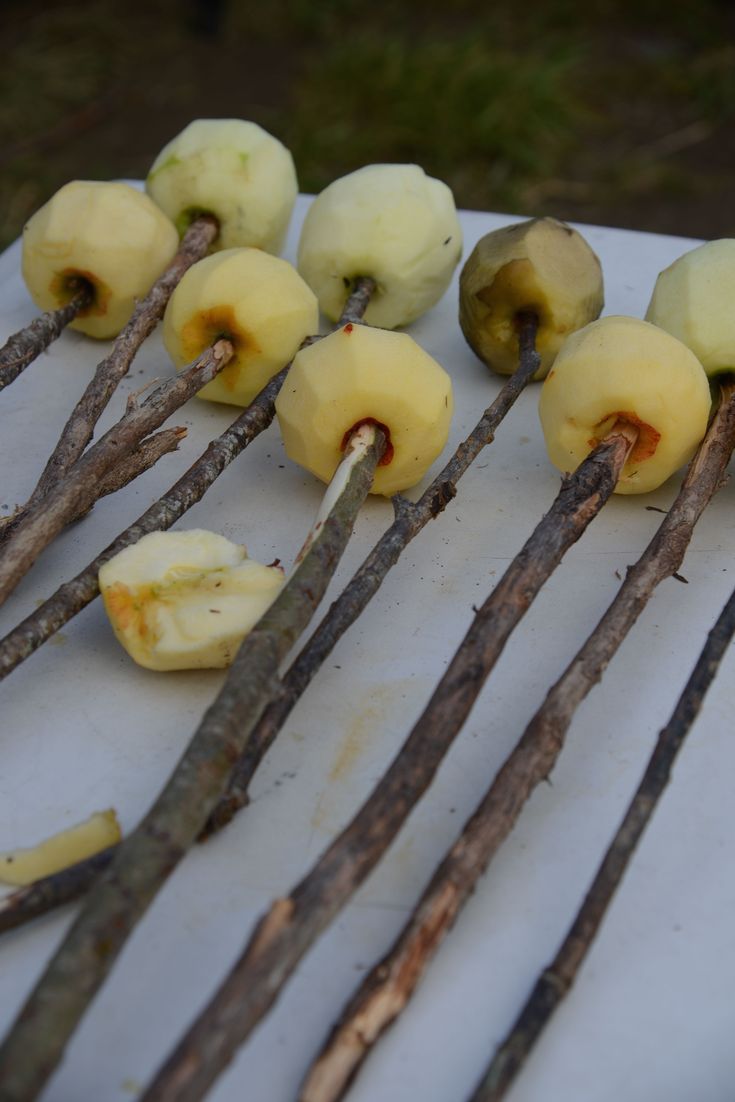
{"x": 623, "y": 369}
{"x": 185, "y": 600}
{"x": 258, "y": 302}
{"x": 24, "y": 866}
{"x": 233, "y": 170}
{"x": 693, "y": 300}
{"x": 392, "y": 223}
{"x": 108, "y": 237}
{"x": 357, "y": 375}
{"x": 541, "y": 267}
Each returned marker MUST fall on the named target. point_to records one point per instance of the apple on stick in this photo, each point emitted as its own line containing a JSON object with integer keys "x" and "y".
{"x": 391, "y": 223}
{"x": 621, "y": 370}
{"x": 356, "y": 375}
{"x": 233, "y": 170}
{"x": 107, "y": 237}
{"x": 541, "y": 267}
{"x": 257, "y": 301}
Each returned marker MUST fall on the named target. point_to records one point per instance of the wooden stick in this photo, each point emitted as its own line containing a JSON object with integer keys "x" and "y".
{"x": 145, "y": 456}
{"x": 22, "y": 348}
{"x": 79, "y": 488}
{"x": 147, "y": 453}
{"x": 285, "y": 933}
{"x": 80, "y": 427}
{"x": 67, "y": 885}
{"x": 555, "y": 981}
{"x": 147, "y": 857}
{"x": 387, "y": 988}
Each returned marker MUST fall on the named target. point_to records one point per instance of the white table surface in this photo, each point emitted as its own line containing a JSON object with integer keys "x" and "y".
{"x": 83, "y": 728}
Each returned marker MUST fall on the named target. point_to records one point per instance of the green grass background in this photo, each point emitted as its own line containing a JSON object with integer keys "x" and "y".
{"x": 618, "y": 113}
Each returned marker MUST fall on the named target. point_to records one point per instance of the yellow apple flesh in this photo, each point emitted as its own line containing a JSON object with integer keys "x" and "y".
{"x": 259, "y": 302}
{"x": 392, "y": 223}
{"x": 231, "y": 169}
{"x": 109, "y": 237}
{"x": 359, "y": 374}
{"x": 623, "y": 369}
{"x": 693, "y": 300}
{"x": 185, "y": 600}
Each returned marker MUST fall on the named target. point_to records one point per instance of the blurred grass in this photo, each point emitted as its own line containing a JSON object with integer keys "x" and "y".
{"x": 601, "y": 111}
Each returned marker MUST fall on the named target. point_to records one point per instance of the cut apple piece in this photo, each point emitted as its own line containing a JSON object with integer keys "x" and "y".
{"x": 185, "y": 600}
{"x": 108, "y": 237}
{"x": 357, "y": 375}
{"x": 623, "y": 369}
{"x": 258, "y": 302}
{"x": 392, "y": 223}
{"x": 541, "y": 267}
{"x": 24, "y": 866}
{"x": 693, "y": 300}
{"x": 233, "y": 170}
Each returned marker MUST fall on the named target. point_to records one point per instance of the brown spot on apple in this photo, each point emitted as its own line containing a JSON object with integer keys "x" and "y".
{"x": 217, "y": 323}
{"x": 648, "y": 437}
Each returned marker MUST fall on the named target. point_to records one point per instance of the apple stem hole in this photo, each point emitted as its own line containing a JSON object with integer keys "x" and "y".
{"x": 186, "y": 218}
{"x": 387, "y": 455}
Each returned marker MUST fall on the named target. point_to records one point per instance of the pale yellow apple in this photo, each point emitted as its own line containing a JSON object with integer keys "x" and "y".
{"x": 623, "y": 369}
{"x": 359, "y": 374}
{"x": 257, "y": 301}
{"x": 24, "y": 866}
{"x": 541, "y": 266}
{"x": 109, "y": 236}
{"x": 693, "y": 299}
{"x": 185, "y": 600}
{"x": 392, "y": 223}
{"x": 234, "y": 170}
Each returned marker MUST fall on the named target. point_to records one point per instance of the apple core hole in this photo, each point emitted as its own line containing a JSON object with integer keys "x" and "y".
{"x": 187, "y": 217}
{"x": 387, "y": 455}
{"x": 68, "y": 284}
{"x": 648, "y": 437}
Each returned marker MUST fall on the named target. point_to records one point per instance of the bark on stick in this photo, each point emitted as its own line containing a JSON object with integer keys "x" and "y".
{"x": 80, "y": 487}
{"x": 23, "y": 347}
{"x": 556, "y": 981}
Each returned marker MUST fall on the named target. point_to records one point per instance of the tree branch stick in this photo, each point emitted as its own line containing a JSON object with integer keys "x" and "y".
{"x": 285, "y": 933}
{"x": 410, "y": 520}
{"x": 78, "y": 490}
{"x": 388, "y": 987}
{"x": 555, "y": 981}
{"x": 147, "y": 453}
{"x": 23, "y": 347}
{"x": 81, "y": 424}
{"x": 147, "y": 857}
{"x": 145, "y": 456}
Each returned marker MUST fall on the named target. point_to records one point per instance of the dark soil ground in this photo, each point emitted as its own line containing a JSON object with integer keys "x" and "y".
{"x": 620, "y": 114}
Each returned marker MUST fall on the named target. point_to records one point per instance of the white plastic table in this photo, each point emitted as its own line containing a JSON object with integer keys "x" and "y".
{"x": 82, "y": 728}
